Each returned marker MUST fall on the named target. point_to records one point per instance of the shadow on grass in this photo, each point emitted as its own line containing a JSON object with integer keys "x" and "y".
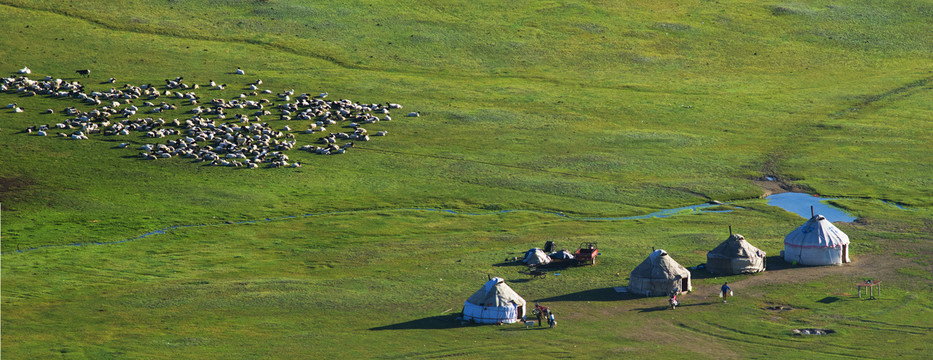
{"x": 605, "y": 294}
{"x": 509, "y": 263}
{"x": 776, "y": 262}
{"x": 519, "y": 280}
{"x": 828, "y": 300}
{"x": 772, "y": 263}
{"x": 526, "y": 329}
{"x": 428, "y": 323}
{"x": 667, "y": 307}
{"x": 703, "y": 274}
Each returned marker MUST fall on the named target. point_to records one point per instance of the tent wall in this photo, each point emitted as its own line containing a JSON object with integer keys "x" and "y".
{"x": 805, "y": 255}
{"x": 493, "y": 314}
{"x": 657, "y": 287}
{"x": 734, "y": 266}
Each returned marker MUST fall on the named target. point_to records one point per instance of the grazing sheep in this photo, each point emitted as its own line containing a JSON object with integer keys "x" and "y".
{"x": 240, "y": 71}
{"x": 85, "y": 73}
{"x": 414, "y": 114}
{"x": 25, "y": 70}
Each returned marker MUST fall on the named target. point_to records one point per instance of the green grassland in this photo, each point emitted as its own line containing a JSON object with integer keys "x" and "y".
{"x": 590, "y": 109}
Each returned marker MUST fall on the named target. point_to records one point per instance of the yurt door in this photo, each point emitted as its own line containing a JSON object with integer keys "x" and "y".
{"x": 684, "y": 284}
{"x": 845, "y": 253}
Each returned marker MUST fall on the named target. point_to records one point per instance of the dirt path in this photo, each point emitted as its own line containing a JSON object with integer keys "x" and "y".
{"x": 862, "y": 267}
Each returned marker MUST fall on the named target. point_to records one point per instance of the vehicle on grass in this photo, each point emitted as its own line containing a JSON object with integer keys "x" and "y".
{"x": 586, "y": 254}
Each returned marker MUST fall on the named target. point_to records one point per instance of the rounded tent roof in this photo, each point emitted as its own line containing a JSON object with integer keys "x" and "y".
{"x": 659, "y": 265}
{"x": 817, "y": 233}
{"x": 495, "y": 293}
{"x": 736, "y": 247}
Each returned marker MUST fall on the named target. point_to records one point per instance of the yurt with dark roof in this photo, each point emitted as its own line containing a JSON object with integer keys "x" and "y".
{"x": 735, "y": 256}
{"x": 494, "y": 303}
{"x": 817, "y": 242}
{"x": 658, "y": 275}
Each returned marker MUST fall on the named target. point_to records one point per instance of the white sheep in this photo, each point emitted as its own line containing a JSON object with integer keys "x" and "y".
{"x": 25, "y": 70}
{"x": 240, "y": 71}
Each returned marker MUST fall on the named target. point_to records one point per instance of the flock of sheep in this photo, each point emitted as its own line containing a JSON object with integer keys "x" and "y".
{"x": 223, "y": 132}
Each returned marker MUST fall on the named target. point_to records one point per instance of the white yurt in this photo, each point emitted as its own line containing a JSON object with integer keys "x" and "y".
{"x": 536, "y": 257}
{"x": 495, "y": 303}
{"x": 735, "y": 256}
{"x": 817, "y": 242}
{"x": 658, "y": 275}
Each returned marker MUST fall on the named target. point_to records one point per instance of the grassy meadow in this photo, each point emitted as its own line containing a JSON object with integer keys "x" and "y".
{"x": 589, "y": 109}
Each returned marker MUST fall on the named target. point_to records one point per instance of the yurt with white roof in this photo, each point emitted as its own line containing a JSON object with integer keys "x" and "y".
{"x": 494, "y": 303}
{"x": 817, "y": 242}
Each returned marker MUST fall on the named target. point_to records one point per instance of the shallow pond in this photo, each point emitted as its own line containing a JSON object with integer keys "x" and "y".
{"x": 799, "y": 203}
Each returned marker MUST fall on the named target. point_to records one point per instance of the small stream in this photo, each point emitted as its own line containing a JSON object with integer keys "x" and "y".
{"x": 686, "y": 210}
{"x": 800, "y": 203}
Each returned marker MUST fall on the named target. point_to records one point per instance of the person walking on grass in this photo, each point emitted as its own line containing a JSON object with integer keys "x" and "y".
{"x": 725, "y": 291}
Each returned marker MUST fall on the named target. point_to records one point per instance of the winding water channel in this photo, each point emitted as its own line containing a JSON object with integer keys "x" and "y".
{"x": 798, "y": 203}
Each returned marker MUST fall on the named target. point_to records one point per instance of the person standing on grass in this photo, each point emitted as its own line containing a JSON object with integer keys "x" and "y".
{"x": 725, "y": 291}
{"x": 539, "y": 312}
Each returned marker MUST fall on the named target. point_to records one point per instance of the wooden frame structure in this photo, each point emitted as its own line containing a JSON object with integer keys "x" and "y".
{"x": 870, "y": 285}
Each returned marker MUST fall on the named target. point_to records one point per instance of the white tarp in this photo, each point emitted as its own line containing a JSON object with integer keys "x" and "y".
{"x": 495, "y": 303}
{"x": 817, "y": 242}
{"x": 564, "y": 254}
{"x": 536, "y": 257}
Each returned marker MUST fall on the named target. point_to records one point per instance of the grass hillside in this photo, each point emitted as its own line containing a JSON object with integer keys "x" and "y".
{"x": 588, "y": 109}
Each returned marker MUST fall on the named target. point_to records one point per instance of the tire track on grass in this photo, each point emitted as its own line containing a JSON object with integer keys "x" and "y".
{"x": 868, "y": 102}
{"x": 770, "y": 344}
